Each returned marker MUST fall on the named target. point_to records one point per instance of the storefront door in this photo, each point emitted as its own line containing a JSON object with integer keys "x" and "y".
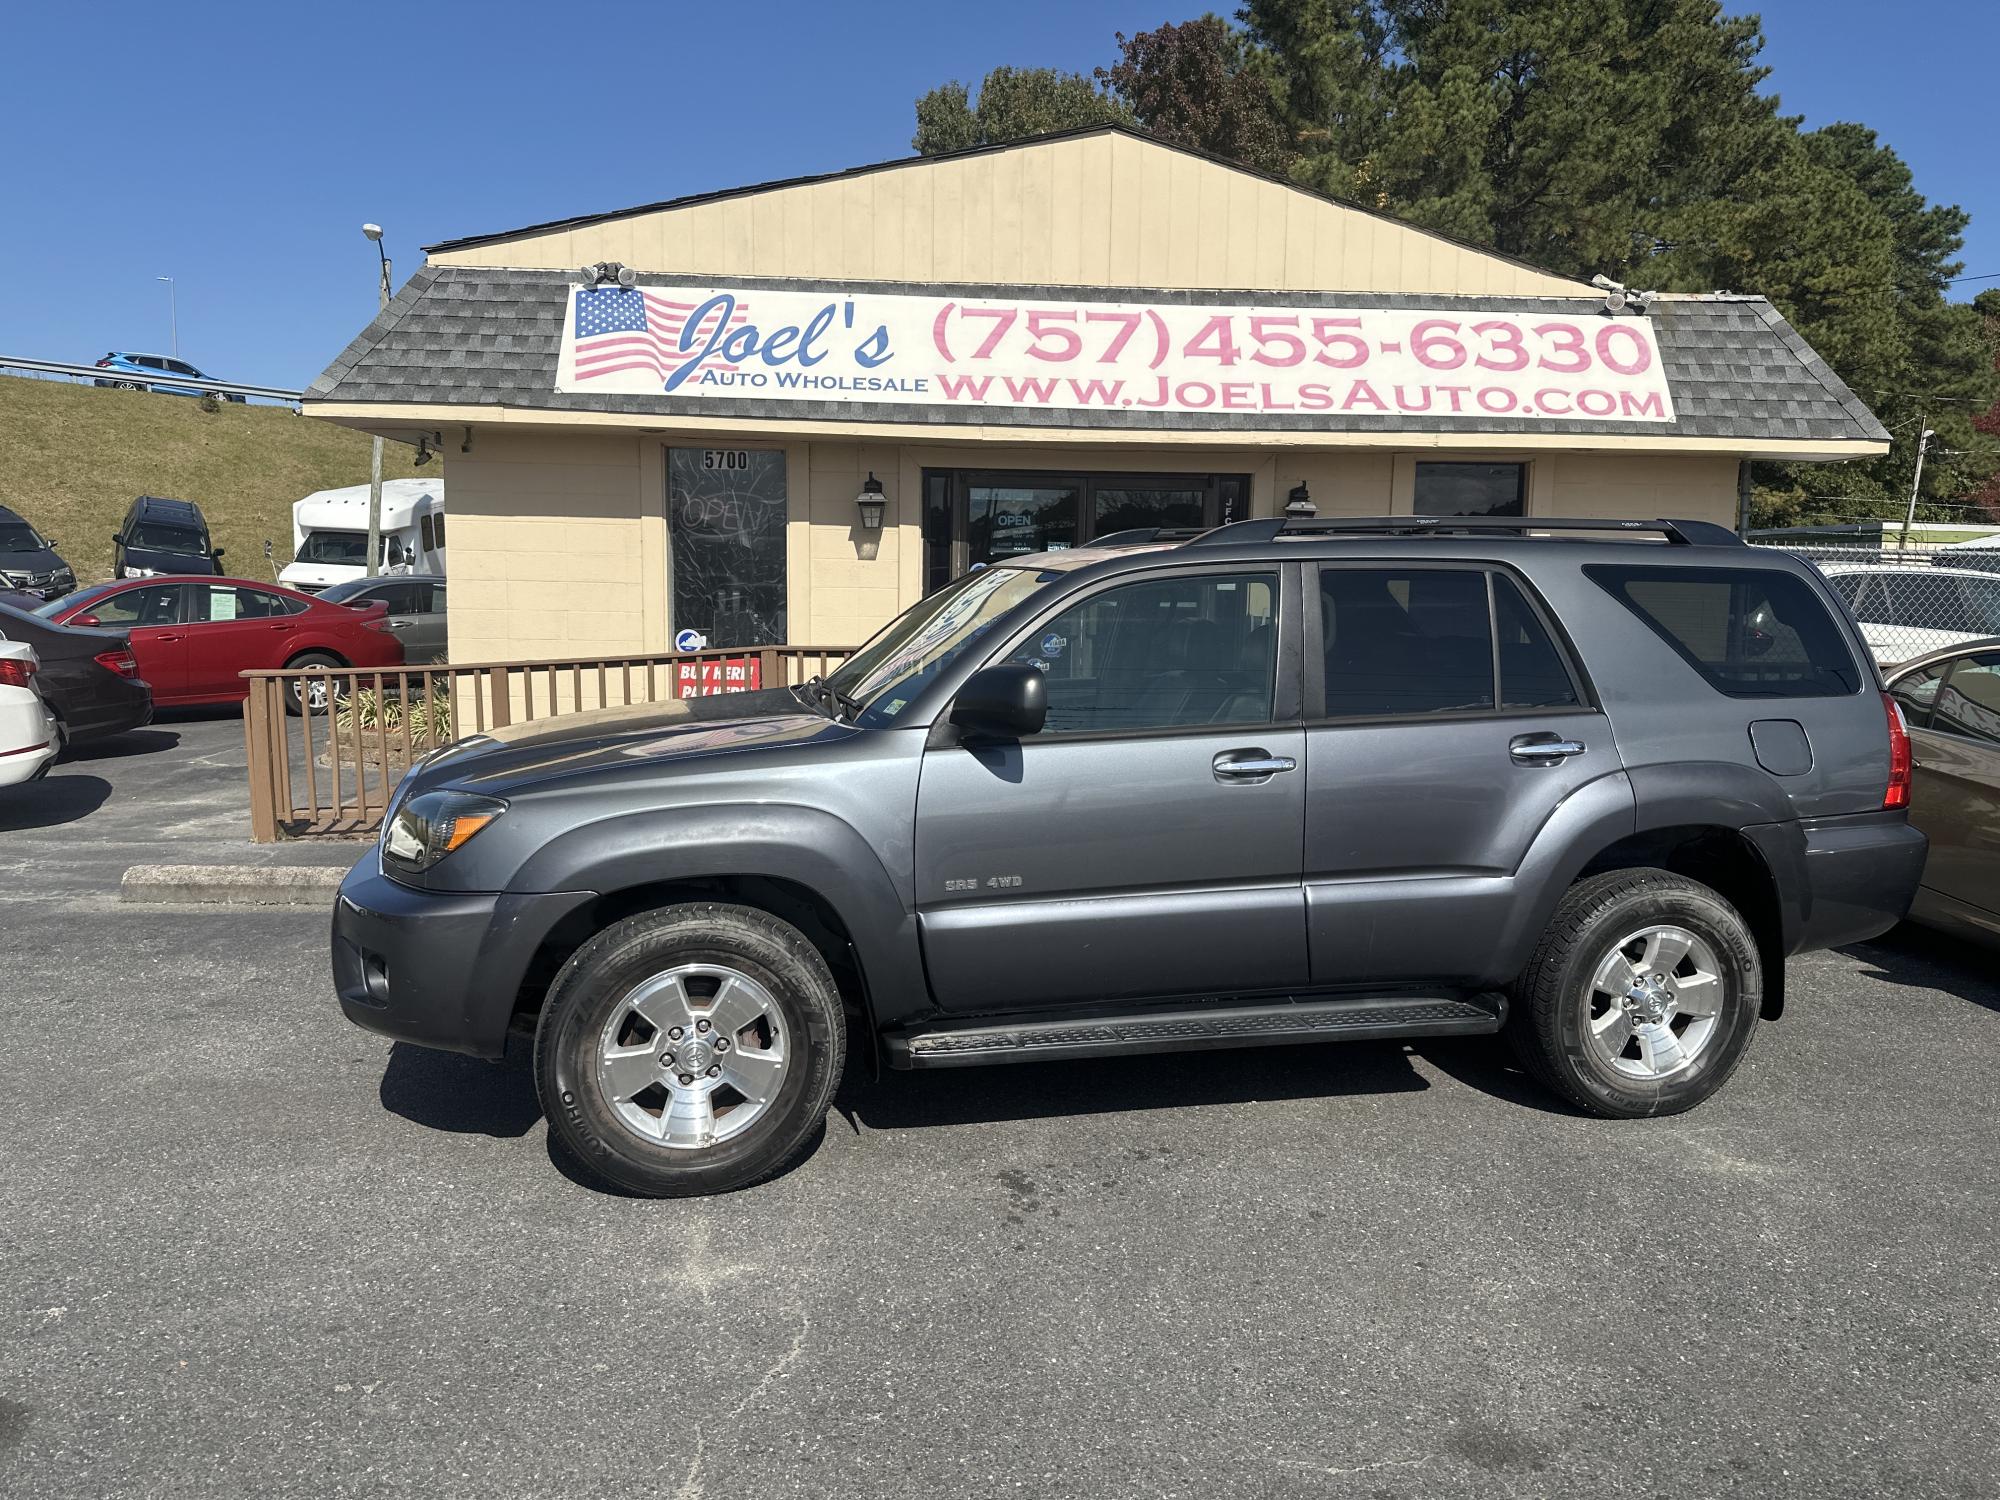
{"x": 973, "y": 517}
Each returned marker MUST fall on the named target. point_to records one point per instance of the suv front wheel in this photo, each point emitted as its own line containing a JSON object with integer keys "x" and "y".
{"x": 690, "y": 1050}
{"x": 1642, "y": 996}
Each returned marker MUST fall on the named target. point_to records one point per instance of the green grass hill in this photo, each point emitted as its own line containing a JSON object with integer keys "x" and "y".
{"x": 73, "y": 457}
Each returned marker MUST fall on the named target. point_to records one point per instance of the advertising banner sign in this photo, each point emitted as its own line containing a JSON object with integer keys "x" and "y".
{"x": 717, "y": 674}
{"x": 719, "y": 342}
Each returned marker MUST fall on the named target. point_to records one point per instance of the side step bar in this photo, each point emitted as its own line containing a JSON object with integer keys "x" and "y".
{"x": 1349, "y": 1018}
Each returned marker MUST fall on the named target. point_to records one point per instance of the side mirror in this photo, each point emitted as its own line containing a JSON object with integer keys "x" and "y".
{"x": 86, "y": 620}
{"x": 217, "y": 554}
{"x": 52, "y": 543}
{"x": 116, "y": 539}
{"x": 1007, "y": 702}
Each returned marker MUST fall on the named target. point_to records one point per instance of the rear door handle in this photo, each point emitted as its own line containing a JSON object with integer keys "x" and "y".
{"x": 1251, "y": 765}
{"x": 1542, "y": 749}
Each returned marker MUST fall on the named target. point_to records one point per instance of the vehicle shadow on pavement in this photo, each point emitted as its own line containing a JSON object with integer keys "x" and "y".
{"x": 1913, "y": 957}
{"x": 51, "y": 802}
{"x": 118, "y": 746}
{"x": 1116, "y": 1085}
{"x": 1488, "y": 1064}
{"x": 462, "y": 1095}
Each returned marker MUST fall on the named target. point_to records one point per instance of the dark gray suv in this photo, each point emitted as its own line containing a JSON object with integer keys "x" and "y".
{"x": 1275, "y": 783}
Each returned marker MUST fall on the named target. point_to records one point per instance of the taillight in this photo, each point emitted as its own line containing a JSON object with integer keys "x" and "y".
{"x": 124, "y": 663}
{"x": 1897, "y": 793}
{"x": 14, "y": 672}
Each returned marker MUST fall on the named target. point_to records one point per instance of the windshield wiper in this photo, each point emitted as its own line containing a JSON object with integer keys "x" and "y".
{"x": 821, "y": 695}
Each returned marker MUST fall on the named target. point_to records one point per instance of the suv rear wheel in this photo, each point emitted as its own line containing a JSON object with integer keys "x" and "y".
{"x": 1642, "y": 996}
{"x": 692, "y": 1049}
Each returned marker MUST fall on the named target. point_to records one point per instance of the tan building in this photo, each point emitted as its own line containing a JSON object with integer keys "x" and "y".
{"x": 674, "y": 418}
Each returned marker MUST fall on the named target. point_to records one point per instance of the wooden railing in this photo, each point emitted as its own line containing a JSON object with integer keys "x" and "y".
{"x": 331, "y": 770}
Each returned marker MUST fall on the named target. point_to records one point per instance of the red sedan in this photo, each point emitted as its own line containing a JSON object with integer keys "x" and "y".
{"x": 194, "y": 635}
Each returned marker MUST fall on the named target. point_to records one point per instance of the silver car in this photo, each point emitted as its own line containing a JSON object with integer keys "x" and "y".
{"x": 416, "y": 611}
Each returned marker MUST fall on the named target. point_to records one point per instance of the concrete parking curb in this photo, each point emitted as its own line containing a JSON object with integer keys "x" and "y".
{"x": 231, "y": 885}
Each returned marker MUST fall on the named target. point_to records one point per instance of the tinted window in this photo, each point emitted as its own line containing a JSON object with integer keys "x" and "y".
{"x": 1750, "y": 632}
{"x": 438, "y": 525}
{"x": 1532, "y": 672}
{"x": 1405, "y": 641}
{"x": 1167, "y": 653}
{"x": 1471, "y": 490}
{"x": 19, "y": 536}
{"x": 1970, "y": 702}
{"x": 1918, "y": 692}
{"x": 152, "y": 606}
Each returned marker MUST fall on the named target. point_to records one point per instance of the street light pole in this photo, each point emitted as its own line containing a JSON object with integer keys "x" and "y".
{"x": 374, "y": 233}
{"x": 173, "y": 314}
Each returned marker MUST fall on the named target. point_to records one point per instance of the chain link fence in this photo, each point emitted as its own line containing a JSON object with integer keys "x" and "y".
{"x": 1909, "y": 600}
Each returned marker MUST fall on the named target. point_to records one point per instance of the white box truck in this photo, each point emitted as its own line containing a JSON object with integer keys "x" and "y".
{"x": 330, "y": 533}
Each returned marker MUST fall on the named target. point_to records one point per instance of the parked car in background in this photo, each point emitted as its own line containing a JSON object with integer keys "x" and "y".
{"x": 163, "y": 536}
{"x": 1282, "y": 783}
{"x": 152, "y": 372}
{"x": 330, "y": 533}
{"x": 416, "y": 611}
{"x": 29, "y": 561}
{"x": 1908, "y": 611}
{"x": 195, "y": 636}
{"x": 89, "y": 678}
{"x": 1952, "y": 701}
{"x": 27, "y": 729}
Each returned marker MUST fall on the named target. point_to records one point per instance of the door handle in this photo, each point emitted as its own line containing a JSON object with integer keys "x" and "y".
{"x": 1251, "y": 765}
{"x": 164, "y": 638}
{"x": 1542, "y": 749}
{"x": 282, "y": 628}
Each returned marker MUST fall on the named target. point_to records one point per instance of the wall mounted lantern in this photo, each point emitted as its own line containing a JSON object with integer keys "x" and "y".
{"x": 870, "y": 503}
{"x": 1299, "y": 503}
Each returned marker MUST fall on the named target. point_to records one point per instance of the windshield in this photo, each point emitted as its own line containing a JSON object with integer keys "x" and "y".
{"x": 157, "y": 538}
{"x": 342, "y": 549}
{"x": 884, "y": 675}
{"x": 19, "y": 536}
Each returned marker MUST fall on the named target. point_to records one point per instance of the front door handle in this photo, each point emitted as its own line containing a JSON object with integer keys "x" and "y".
{"x": 1251, "y": 765}
{"x": 1542, "y": 749}
{"x": 164, "y": 638}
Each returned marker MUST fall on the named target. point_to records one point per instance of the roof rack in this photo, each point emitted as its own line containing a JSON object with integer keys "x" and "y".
{"x": 1270, "y": 528}
{"x": 1145, "y": 536}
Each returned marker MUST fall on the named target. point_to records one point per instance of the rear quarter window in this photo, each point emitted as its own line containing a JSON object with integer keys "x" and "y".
{"x": 1749, "y": 632}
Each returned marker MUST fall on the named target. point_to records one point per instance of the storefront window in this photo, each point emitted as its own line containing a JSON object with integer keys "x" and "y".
{"x": 726, "y": 518}
{"x": 1472, "y": 489}
{"x": 1119, "y": 509}
{"x": 1004, "y": 521}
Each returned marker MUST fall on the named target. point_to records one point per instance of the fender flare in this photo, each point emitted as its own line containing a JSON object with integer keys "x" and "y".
{"x": 806, "y": 846}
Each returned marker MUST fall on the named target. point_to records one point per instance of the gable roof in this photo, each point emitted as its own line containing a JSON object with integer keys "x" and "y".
{"x": 479, "y": 337}
{"x": 905, "y": 163}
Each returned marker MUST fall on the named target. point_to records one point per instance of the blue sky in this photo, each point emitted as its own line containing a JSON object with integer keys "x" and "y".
{"x": 238, "y": 147}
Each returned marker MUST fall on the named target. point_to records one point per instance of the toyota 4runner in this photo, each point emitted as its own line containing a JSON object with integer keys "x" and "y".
{"x": 1587, "y": 783}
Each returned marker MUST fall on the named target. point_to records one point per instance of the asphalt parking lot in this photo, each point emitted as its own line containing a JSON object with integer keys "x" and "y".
{"x": 247, "y": 1249}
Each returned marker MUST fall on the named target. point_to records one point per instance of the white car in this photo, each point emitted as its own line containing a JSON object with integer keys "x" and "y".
{"x": 1907, "y": 611}
{"x": 27, "y": 729}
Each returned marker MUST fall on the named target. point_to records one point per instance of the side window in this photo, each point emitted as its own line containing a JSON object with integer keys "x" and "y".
{"x": 1871, "y": 603}
{"x": 1750, "y": 632}
{"x": 1532, "y": 672}
{"x": 140, "y": 607}
{"x": 215, "y": 605}
{"x": 1405, "y": 641}
{"x": 419, "y": 601}
{"x": 1918, "y": 693}
{"x": 1167, "y": 653}
{"x": 1970, "y": 702}
{"x": 438, "y": 530}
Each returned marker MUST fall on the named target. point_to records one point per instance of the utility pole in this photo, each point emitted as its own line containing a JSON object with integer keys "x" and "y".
{"x": 374, "y": 233}
{"x": 1923, "y": 442}
{"x": 173, "y": 315}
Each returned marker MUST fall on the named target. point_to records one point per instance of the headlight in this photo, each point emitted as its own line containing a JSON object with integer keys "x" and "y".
{"x": 132, "y": 572}
{"x": 428, "y": 827}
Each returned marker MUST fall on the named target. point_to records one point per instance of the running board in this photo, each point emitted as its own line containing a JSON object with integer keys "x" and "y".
{"x": 1350, "y": 1019}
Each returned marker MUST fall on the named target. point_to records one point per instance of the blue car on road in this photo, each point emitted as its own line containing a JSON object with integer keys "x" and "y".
{"x": 141, "y": 372}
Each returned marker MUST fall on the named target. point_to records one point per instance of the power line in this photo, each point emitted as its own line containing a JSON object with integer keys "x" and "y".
{"x": 1989, "y": 276}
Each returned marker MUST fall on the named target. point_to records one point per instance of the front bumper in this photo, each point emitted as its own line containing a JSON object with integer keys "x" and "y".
{"x": 437, "y": 968}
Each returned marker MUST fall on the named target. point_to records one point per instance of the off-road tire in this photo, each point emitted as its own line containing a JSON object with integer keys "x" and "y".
{"x": 607, "y": 968}
{"x": 1551, "y": 1004}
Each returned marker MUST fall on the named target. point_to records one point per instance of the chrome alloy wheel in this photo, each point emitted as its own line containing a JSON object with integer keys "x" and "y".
{"x": 1655, "y": 998}
{"x": 693, "y": 1056}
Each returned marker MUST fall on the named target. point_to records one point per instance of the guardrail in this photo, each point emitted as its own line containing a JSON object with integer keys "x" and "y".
{"x": 330, "y": 769}
{"x": 147, "y": 381}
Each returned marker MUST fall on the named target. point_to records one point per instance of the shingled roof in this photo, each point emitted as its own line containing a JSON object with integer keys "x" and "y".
{"x": 487, "y": 338}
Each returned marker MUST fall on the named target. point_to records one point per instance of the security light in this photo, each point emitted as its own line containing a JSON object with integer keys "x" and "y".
{"x": 1299, "y": 503}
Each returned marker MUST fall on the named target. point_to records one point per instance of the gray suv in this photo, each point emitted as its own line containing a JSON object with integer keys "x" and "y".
{"x": 1275, "y": 783}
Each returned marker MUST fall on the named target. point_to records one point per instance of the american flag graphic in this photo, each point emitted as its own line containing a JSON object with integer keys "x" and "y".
{"x": 629, "y": 328}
